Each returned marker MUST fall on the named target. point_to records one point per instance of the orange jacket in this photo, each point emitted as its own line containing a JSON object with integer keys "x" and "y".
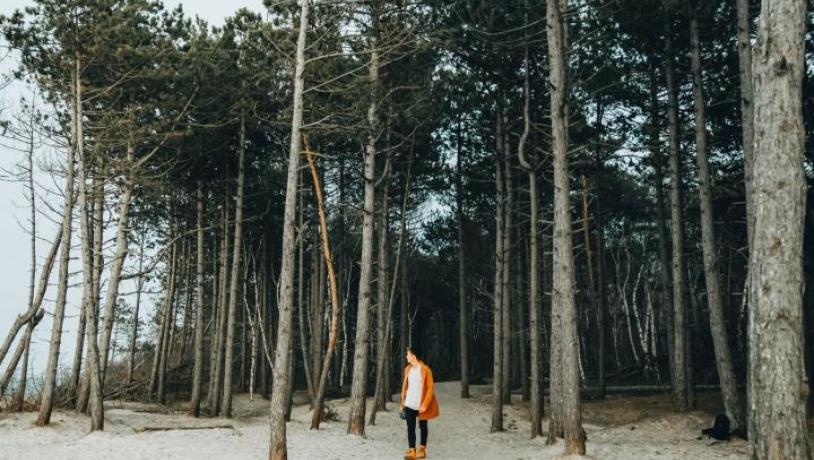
{"x": 429, "y": 404}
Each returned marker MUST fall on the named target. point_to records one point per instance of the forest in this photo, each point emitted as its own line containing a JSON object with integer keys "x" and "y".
{"x": 573, "y": 208}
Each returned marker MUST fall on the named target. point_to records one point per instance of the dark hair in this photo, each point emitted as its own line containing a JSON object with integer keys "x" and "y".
{"x": 417, "y": 352}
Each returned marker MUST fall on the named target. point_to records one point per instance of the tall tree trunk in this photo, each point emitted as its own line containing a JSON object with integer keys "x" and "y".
{"x": 49, "y": 385}
{"x": 508, "y": 211}
{"x": 380, "y": 400}
{"x": 747, "y": 110}
{"x": 497, "y": 328}
{"x": 563, "y": 291}
{"x": 680, "y": 361}
{"x": 356, "y": 419}
{"x": 463, "y": 316}
{"x": 226, "y": 403}
{"x": 278, "y": 449}
{"x": 537, "y": 398}
{"x": 778, "y": 387}
{"x": 717, "y": 321}
{"x": 197, "y": 371}
{"x": 334, "y": 293}
{"x": 168, "y": 322}
{"x": 89, "y": 298}
{"x": 134, "y": 327}
{"x": 216, "y": 380}
{"x": 122, "y": 233}
{"x": 664, "y": 250}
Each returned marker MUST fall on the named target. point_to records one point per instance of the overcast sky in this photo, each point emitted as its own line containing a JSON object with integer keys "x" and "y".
{"x": 14, "y": 242}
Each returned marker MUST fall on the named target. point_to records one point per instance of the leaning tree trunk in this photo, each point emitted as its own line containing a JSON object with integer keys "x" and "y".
{"x": 21, "y": 353}
{"x": 197, "y": 372}
{"x": 564, "y": 279}
{"x": 679, "y": 370}
{"x": 356, "y": 419}
{"x": 93, "y": 366}
{"x": 717, "y": 321}
{"x": 49, "y": 385}
{"x": 226, "y": 403}
{"x": 497, "y": 328}
{"x": 778, "y": 387}
{"x": 278, "y": 449}
{"x": 336, "y": 308}
{"x": 122, "y": 233}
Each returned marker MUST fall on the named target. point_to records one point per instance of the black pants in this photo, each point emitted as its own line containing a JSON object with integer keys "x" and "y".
{"x": 412, "y": 416}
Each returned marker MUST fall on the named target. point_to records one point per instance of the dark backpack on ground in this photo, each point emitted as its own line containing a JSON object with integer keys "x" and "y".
{"x": 720, "y": 428}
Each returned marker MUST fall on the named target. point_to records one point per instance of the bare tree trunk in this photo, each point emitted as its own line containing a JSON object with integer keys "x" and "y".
{"x": 226, "y": 403}
{"x": 167, "y": 322}
{"x": 778, "y": 388}
{"x": 49, "y": 385}
{"x": 463, "y": 314}
{"x": 379, "y": 399}
{"x": 301, "y": 322}
{"x": 356, "y": 418}
{"x": 134, "y": 329}
{"x": 563, "y": 291}
{"x": 197, "y": 371}
{"x": 336, "y": 308}
{"x": 93, "y": 366}
{"x": 21, "y": 352}
{"x": 720, "y": 338}
{"x": 679, "y": 371}
{"x": 747, "y": 110}
{"x": 122, "y": 233}
{"x": 497, "y": 328}
{"x": 602, "y": 315}
{"x": 390, "y": 299}
{"x": 278, "y": 449}
{"x": 508, "y": 210}
{"x": 537, "y": 398}
{"x": 216, "y": 379}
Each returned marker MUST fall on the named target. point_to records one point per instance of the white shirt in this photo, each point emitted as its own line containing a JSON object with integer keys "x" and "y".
{"x": 415, "y": 385}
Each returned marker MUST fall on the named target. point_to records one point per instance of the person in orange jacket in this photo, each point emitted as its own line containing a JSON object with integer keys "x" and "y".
{"x": 417, "y": 401}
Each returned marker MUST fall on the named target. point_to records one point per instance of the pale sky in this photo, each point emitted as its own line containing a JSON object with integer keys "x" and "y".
{"x": 14, "y": 242}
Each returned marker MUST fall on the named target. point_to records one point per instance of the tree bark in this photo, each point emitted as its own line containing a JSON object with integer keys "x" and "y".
{"x": 463, "y": 314}
{"x": 680, "y": 363}
{"x": 717, "y": 321}
{"x": 379, "y": 399}
{"x": 216, "y": 380}
{"x": 226, "y": 402}
{"x": 89, "y": 298}
{"x": 497, "y": 328}
{"x": 278, "y": 449}
{"x": 778, "y": 386}
{"x": 356, "y": 419}
{"x": 507, "y": 273}
{"x": 197, "y": 371}
{"x": 49, "y": 385}
{"x": 122, "y": 233}
{"x": 564, "y": 279}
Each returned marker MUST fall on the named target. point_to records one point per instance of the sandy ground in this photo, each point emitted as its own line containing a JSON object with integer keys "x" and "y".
{"x": 633, "y": 427}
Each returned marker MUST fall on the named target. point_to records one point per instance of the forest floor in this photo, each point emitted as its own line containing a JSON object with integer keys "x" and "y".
{"x": 622, "y": 427}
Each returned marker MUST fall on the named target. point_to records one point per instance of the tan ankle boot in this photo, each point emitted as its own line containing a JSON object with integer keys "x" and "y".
{"x": 410, "y": 455}
{"x": 422, "y": 452}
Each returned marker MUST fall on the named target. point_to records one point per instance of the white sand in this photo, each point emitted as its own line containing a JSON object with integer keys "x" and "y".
{"x": 462, "y": 432}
